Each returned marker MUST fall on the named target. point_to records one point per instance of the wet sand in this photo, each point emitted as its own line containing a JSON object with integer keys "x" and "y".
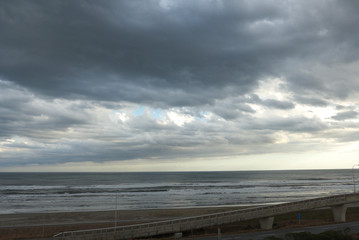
{"x": 33, "y": 225}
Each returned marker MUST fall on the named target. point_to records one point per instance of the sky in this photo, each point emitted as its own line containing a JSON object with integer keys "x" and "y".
{"x": 178, "y": 85}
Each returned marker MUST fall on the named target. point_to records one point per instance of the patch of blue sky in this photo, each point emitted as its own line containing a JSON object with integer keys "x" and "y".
{"x": 158, "y": 114}
{"x": 17, "y": 139}
{"x": 201, "y": 116}
{"x": 139, "y": 111}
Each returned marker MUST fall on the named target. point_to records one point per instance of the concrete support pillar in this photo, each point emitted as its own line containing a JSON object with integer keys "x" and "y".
{"x": 266, "y": 223}
{"x": 339, "y": 212}
{"x": 178, "y": 235}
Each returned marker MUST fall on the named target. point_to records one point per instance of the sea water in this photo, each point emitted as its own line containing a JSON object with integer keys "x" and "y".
{"x": 54, "y": 192}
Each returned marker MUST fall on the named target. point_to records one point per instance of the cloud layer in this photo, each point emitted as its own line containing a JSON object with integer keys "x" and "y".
{"x": 90, "y": 81}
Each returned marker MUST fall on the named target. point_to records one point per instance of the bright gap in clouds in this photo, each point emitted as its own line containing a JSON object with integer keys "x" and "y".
{"x": 162, "y": 116}
{"x": 273, "y": 88}
{"x": 278, "y": 90}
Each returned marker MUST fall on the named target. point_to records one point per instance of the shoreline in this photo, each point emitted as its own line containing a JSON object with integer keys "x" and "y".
{"x": 236, "y": 206}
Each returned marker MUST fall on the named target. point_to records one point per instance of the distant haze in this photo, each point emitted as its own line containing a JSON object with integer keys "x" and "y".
{"x": 165, "y": 85}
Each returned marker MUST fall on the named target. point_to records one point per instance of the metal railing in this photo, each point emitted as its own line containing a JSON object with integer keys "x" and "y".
{"x": 191, "y": 223}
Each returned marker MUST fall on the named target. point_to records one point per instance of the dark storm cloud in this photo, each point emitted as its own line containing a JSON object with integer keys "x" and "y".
{"x": 120, "y": 50}
{"x": 138, "y": 51}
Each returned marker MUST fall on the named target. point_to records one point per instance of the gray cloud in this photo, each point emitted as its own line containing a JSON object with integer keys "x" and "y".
{"x": 271, "y": 103}
{"x": 22, "y": 114}
{"x": 278, "y": 104}
{"x": 346, "y": 115}
{"x": 312, "y": 101}
{"x": 131, "y": 50}
{"x": 75, "y": 76}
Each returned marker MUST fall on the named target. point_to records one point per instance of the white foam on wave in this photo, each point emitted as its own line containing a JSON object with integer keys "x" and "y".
{"x": 169, "y": 191}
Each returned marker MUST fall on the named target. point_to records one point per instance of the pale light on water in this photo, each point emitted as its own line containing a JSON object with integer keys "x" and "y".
{"x": 51, "y": 192}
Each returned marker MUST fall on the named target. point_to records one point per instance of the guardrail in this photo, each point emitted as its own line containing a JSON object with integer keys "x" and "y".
{"x": 191, "y": 223}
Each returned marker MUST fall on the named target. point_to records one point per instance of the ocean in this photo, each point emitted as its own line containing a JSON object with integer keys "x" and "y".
{"x": 62, "y": 192}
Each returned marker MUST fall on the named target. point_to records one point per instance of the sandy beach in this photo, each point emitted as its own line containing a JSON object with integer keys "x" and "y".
{"x": 38, "y": 225}
{"x": 31, "y": 225}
